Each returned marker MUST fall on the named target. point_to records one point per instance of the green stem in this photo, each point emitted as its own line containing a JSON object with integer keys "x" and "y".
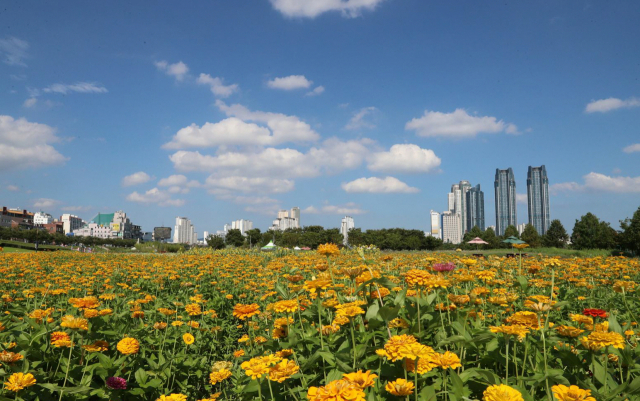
{"x": 66, "y": 375}
{"x": 353, "y": 340}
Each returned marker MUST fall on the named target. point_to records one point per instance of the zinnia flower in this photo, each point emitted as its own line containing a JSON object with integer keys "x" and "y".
{"x": 501, "y": 392}
{"x": 362, "y": 379}
{"x": 400, "y": 387}
{"x": 10, "y": 357}
{"x": 128, "y": 346}
{"x": 328, "y": 250}
{"x": 18, "y": 381}
{"x": 74, "y": 323}
{"x": 283, "y": 370}
{"x": 336, "y": 390}
{"x": 595, "y": 313}
{"x": 242, "y": 311}
{"x": 172, "y": 397}
{"x": 117, "y": 383}
{"x": 219, "y": 375}
{"x": 188, "y": 338}
{"x": 572, "y": 393}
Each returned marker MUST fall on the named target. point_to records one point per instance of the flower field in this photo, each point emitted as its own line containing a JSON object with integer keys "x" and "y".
{"x": 326, "y": 325}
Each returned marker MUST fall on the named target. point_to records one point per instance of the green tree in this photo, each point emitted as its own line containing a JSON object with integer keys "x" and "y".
{"x": 630, "y": 237}
{"x": 511, "y": 231}
{"x": 591, "y": 233}
{"x": 234, "y": 237}
{"x": 556, "y": 236}
{"x": 489, "y": 236}
{"x": 253, "y": 237}
{"x": 432, "y": 243}
{"x": 215, "y": 242}
{"x": 471, "y": 234}
{"x": 530, "y": 236}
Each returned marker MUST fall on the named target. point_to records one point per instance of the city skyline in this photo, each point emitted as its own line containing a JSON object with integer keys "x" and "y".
{"x": 371, "y": 111}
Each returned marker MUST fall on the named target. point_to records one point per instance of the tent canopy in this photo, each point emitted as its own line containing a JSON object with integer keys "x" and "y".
{"x": 513, "y": 240}
{"x": 477, "y": 240}
{"x": 269, "y": 246}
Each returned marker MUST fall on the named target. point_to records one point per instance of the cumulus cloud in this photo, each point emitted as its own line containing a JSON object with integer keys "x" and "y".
{"x": 25, "y": 144}
{"x": 284, "y": 128}
{"x": 13, "y": 188}
{"x": 346, "y": 209}
{"x": 521, "y": 198}
{"x": 177, "y": 70}
{"x": 458, "y": 124}
{"x": 154, "y": 196}
{"x": 217, "y": 85}
{"x": 632, "y": 148}
{"x": 596, "y": 182}
{"x": 404, "y": 159}
{"x": 316, "y": 91}
{"x": 76, "y": 208}
{"x": 359, "y": 119}
{"x": 612, "y": 103}
{"x": 79, "y": 87}
{"x": 13, "y": 51}
{"x": 30, "y": 102}
{"x": 178, "y": 183}
{"x": 291, "y": 82}
{"x": 45, "y": 203}
{"x": 313, "y": 8}
{"x": 227, "y": 185}
{"x": 135, "y": 179}
{"x": 230, "y": 131}
{"x": 377, "y": 185}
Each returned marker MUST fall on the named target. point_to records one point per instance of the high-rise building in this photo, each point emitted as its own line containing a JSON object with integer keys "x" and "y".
{"x": 287, "y": 219}
{"x": 70, "y": 223}
{"x": 184, "y": 232}
{"x": 451, "y": 231}
{"x": 521, "y": 228}
{"x": 242, "y": 225}
{"x": 474, "y": 206}
{"x": 346, "y": 225}
{"x": 435, "y": 225}
{"x": 41, "y": 218}
{"x": 505, "y": 187}
{"x": 538, "y": 198}
{"x": 464, "y": 186}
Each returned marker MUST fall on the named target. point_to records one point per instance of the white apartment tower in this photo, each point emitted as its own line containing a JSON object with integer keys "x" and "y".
{"x": 451, "y": 227}
{"x": 70, "y": 223}
{"x": 242, "y": 225}
{"x": 436, "y": 230}
{"x": 184, "y": 232}
{"x": 287, "y": 219}
{"x": 41, "y": 218}
{"x": 347, "y": 224}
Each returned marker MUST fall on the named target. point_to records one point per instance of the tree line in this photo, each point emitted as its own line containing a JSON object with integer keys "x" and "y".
{"x": 44, "y": 237}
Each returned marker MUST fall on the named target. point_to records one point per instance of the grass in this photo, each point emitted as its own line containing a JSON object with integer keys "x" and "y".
{"x": 567, "y": 253}
{"x": 29, "y": 246}
{"x": 14, "y": 250}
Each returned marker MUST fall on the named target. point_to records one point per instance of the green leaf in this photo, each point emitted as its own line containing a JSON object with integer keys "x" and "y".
{"x": 614, "y": 325}
{"x": 141, "y": 377}
{"x": 372, "y": 312}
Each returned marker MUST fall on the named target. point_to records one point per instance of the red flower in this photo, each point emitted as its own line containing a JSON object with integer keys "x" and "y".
{"x": 595, "y": 313}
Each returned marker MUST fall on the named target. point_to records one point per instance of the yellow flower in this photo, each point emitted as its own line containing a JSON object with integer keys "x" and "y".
{"x": 128, "y": 346}
{"x": 572, "y": 393}
{"x": 286, "y": 306}
{"x": 568, "y": 331}
{"x": 97, "y": 346}
{"x": 193, "y": 309}
{"x": 328, "y": 250}
{"x": 172, "y": 397}
{"x": 393, "y": 347}
{"x": 18, "y": 381}
{"x": 597, "y": 340}
{"x": 447, "y": 360}
{"x": 362, "y": 379}
{"x": 243, "y": 312}
{"x": 188, "y": 338}
{"x": 501, "y": 392}
{"x": 219, "y": 375}
{"x": 10, "y": 357}
{"x": 400, "y": 387}
{"x": 337, "y": 390}
{"x": 255, "y": 367}
{"x": 283, "y": 370}
{"x": 74, "y": 323}
{"x": 508, "y": 330}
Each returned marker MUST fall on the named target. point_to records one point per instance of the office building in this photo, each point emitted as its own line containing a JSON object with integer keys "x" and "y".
{"x": 346, "y": 225}
{"x": 109, "y": 226}
{"x": 70, "y": 223}
{"x": 41, "y": 218}
{"x": 505, "y": 196}
{"x": 435, "y": 225}
{"x": 474, "y": 205}
{"x": 16, "y": 218}
{"x": 538, "y": 198}
{"x": 287, "y": 219}
{"x": 521, "y": 228}
{"x": 242, "y": 225}
{"x": 184, "y": 232}
{"x": 451, "y": 227}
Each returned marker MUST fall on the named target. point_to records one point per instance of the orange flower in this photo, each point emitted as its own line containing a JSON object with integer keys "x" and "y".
{"x": 242, "y": 311}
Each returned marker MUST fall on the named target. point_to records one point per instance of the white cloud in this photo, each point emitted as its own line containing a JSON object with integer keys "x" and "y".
{"x": 230, "y": 131}
{"x": 612, "y": 103}
{"x": 13, "y": 51}
{"x": 13, "y": 188}
{"x": 217, "y": 86}
{"x": 632, "y": 148}
{"x": 404, "y": 159}
{"x": 284, "y": 128}
{"x": 79, "y": 87}
{"x": 359, "y": 121}
{"x": 135, "y": 179}
{"x": 332, "y": 156}
{"x": 346, "y": 209}
{"x": 26, "y": 144}
{"x": 76, "y": 208}
{"x": 154, "y": 196}
{"x": 177, "y": 70}
{"x": 596, "y": 182}
{"x": 316, "y": 91}
{"x": 30, "y": 102}
{"x": 313, "y": 8}
{"x": 291, "y": 82}
{"x": 45, "y": 203}
{"x": 521, "y": 198}
{"x": 458, "y": 124}
{"x": 226, "y": 185}
{"x": 377, "y": 185}
{"x": 178, "y": 183}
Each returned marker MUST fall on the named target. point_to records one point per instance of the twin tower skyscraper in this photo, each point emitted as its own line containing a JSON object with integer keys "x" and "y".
{"x": 466, "y": 206}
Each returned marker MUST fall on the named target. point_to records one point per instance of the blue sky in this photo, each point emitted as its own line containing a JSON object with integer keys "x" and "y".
{"x": 373, "y": 108}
